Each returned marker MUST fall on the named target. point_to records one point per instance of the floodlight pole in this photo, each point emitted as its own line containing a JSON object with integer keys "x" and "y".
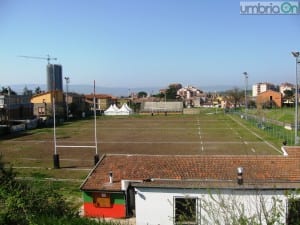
{"x": 67, "y": 90}
{"x": 166, "y": 102}
{"x": 129, "y": 99}
{"x": 296, "y": 55}
{"x": 8, "y": 106}
{"x": 152, "y": 103}
{"x": 246, "y": 87}
{"x": 96, "y": 157}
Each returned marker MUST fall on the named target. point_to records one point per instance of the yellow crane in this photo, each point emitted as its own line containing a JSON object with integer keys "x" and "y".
{"x": 48, "y": 58}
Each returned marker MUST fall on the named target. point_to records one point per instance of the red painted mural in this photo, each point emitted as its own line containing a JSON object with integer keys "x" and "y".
{"x": 101, "y": 205}
{"x": 116, "y": 211}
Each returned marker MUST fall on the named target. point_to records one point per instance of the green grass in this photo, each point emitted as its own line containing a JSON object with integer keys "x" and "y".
{"x": 286, "y": 115}
{"x": 31, "y": 153}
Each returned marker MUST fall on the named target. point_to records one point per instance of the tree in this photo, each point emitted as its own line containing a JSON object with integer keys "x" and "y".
{"x": 251, "y": 104}
{"x": 37, "y": 90}
{"x": 235, "y": 95}
{"x": 288, "y": 94}
{"x": 26, "y": 91}
{"x": 233, "y": 210}
{"x": 21, "y": 202}
{"x": 34, "y": 203}
{"x": 7, "y": 91}
{"x": 142, "y": 94}
{"x": 171, "y": 92}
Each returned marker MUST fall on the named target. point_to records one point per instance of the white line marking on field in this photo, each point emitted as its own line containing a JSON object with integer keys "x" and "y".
{"x": 255, "y": 134}
{"x": 200, "y": 136}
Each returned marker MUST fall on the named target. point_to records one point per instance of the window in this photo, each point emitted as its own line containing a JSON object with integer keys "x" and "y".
{"x": 293, "y": 217}
{"x": 185, "y": 210}
{"x": 41, "y": 110}
{"x": 101, "y": 200}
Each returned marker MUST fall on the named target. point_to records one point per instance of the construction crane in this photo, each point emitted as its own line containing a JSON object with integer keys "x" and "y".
{"x": 48, "y": 58}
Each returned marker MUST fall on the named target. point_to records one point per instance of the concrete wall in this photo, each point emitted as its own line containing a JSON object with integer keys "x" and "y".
{"x": 155, "y": 206}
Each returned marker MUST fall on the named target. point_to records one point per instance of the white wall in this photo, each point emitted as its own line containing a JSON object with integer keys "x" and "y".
{"x": 155, "y": 206}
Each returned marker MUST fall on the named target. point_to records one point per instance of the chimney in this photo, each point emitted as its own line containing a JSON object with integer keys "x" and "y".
{"x": 240, "y": 171}
{"x": 110, "y": 174}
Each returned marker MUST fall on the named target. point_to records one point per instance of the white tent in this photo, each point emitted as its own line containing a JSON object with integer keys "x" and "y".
{"x": 115, "y": 107}
{"x": 128, "y": 108}
{"x": 125, "y": 110}
{"x": 111, "y": 111}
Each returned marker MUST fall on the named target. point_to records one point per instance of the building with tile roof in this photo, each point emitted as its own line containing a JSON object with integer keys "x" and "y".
{"x": 269, "y": 99}
{"x": 43, "y": 103}
{"x": 151, "y": 187}
{"x": 103, "y": 101}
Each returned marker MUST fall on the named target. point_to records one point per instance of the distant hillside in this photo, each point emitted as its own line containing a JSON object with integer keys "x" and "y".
{"x": 87, "y": 89}
{"x": 116, "y": 91}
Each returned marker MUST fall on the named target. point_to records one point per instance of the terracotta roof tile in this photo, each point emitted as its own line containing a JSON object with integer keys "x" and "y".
{"x": 219, "y": 168}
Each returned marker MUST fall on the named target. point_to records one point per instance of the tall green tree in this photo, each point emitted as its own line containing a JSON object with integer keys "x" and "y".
{"x": 171, "y": 92}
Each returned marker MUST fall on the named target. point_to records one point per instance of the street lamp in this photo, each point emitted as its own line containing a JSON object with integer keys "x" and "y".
{"x": 67, "y": 90}
{"x": 296, "y": 55}
{"x": 246, "y": 87}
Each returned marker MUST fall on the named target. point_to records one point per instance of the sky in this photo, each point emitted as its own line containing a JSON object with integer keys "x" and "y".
{"x": 146, "y": 43}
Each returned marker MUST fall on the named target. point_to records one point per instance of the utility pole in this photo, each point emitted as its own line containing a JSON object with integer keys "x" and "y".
{"x": 296, "y": 55}
{"x": 96, "y": 157}
{"x": 246, "y": 87}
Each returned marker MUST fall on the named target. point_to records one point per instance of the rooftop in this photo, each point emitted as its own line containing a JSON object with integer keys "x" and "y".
{"x": 214, "y": 171}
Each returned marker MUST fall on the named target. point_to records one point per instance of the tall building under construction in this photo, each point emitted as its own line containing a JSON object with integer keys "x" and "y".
{"x": 54, "y": 77}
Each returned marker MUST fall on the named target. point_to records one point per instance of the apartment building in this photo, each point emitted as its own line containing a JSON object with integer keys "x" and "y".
{"x": 262, "y": 87}
{"x": 190, "y": 96}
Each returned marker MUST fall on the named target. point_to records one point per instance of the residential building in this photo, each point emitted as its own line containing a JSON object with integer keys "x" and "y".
{"x": 285, "y": 87}
{"x": 43, "y": 104}
{"x": 190, "y": 95}
{"x": 15, "y": 107}
{"x": 268, "y": 98}
{"x": 262, "y": 87}
{"x": 103, "y": 101}
{"x": 156, "y": 188}
{"x": 76, "y": 104}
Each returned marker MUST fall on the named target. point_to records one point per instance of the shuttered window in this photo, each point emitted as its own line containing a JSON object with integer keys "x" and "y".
{"x": 102, "y": 200}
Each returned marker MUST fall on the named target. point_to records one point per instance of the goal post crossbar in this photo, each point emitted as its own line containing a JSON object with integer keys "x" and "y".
{"x": 75, "y": 146}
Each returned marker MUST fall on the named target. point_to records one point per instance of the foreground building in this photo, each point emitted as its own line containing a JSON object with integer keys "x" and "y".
{"x": 173, "y": 189}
